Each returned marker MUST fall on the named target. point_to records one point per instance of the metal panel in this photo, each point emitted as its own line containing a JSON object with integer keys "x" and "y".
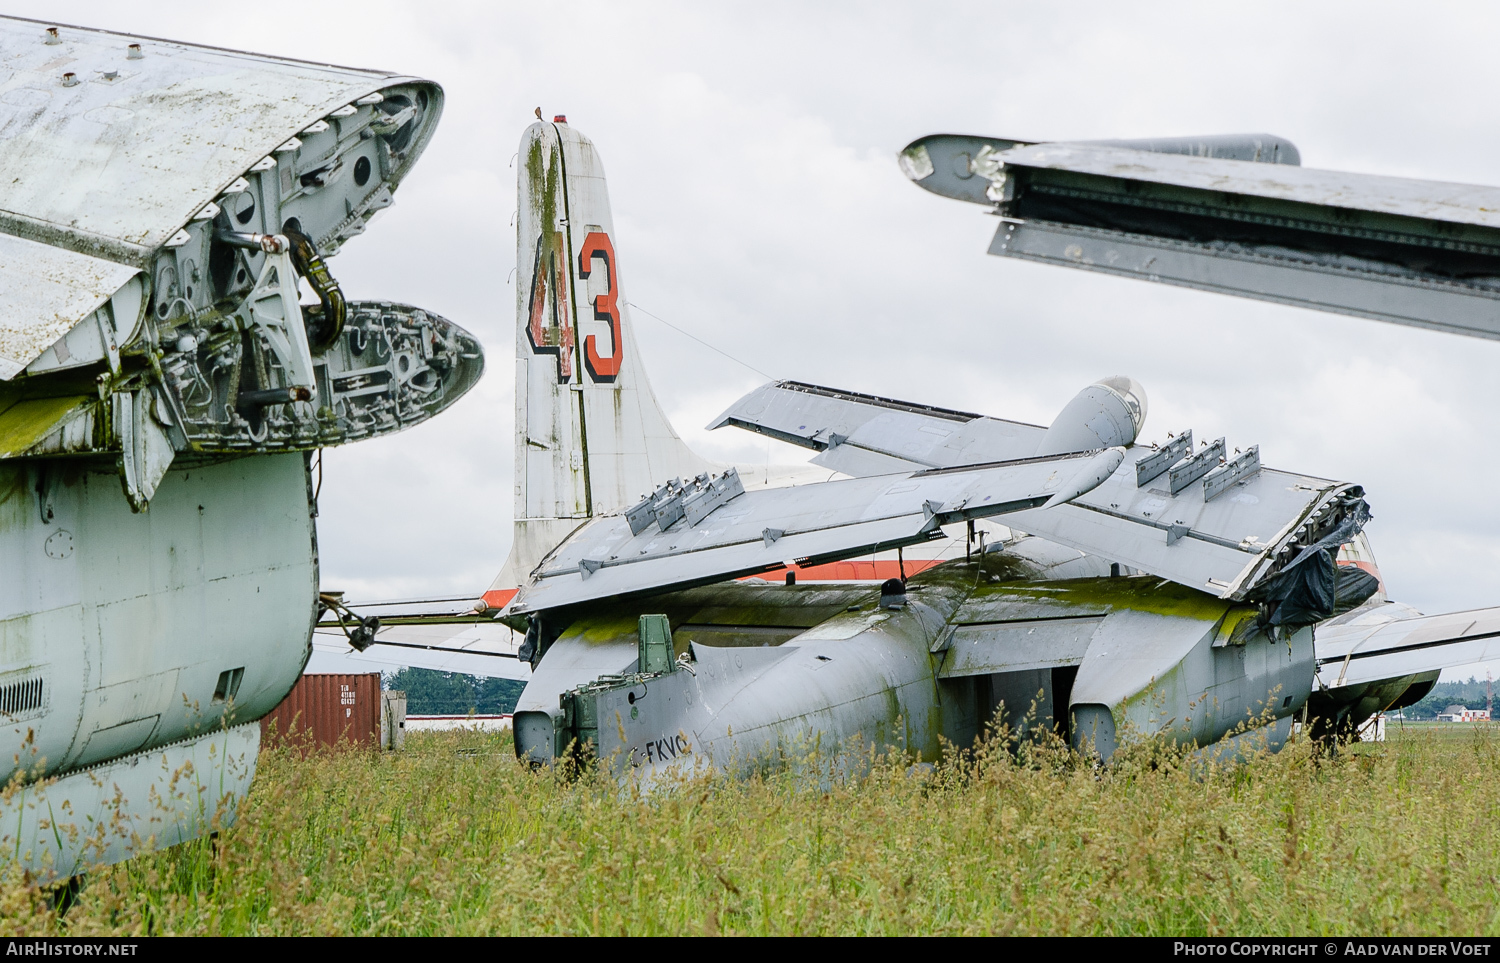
{"x": 88, "y": 600}
{"x": 25, "y": 423}
{"x": 1222, "y": 546}
{"x": 1422, "y": 253}
{"x": 865, "y": 434}
{"x": 114, "y": 164}
{"x": 328, "y": 710}
{"x": 144, "y": 802}
{"x": 946, "y": 164}
{"x": 44, "y": 291}
{"x": 1367, "y": 193}
{"x": 393, "y": 721}
{"x": 1355, "y": 653}
{"x": 1014, "y": 646}
{"x": 1357, "y": 289}
{"x": 828, "y": 520}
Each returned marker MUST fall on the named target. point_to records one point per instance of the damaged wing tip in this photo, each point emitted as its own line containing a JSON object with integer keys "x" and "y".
{"x": 915, "y": 162}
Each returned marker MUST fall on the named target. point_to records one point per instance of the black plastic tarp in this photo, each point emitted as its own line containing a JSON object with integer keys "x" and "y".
{"x": 1313, "y": 587}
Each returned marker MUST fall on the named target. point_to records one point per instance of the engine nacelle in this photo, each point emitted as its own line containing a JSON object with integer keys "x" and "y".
{"x": 1106, "y": 414}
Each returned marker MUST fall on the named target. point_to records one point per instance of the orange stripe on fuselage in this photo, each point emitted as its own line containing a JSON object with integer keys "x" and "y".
{"x": 854, "y": 571}
{"x": 857, "y": 571}
{"x": 498, "y": 598}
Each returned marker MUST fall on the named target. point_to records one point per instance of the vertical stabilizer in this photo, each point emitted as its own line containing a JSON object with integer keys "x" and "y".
{"x": 590, "y": 435}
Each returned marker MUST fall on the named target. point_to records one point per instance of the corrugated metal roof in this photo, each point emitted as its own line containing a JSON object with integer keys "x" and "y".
{"x": 1455, "y": 203}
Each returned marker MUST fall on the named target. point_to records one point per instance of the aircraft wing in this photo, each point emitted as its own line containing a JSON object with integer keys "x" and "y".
{"x": 1351, "y": 654}
{"x": 117, "y": 146}
{"x": 1240, "y": 217}
{"x": 683, "y": 536}
{"x": 1176, "y": 511}
{"x": 861, "y": 435}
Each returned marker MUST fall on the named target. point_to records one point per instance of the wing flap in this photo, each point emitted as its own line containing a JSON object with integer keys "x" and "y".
{"x": 1352, "y": 654}
{"x": 862, "y": 434}
{"x": 1223, "y": 530}
{"x": 1223, "y": 544}
{"x": 44, "y": 292}
{"x": 114, "y": 164}
{"x": 760, "y": 530}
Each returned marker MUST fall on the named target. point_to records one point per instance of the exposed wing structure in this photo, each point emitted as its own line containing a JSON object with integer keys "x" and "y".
{"x": 1414, "y": 252}
{"x": 1210, "y": 519}
{"x": 678, "y": 538}
{"x": 162, "y": 202}
{"x": 116, "y": 145}
{"x": 1354, "y": 654}
{"x": 162, "y": 205}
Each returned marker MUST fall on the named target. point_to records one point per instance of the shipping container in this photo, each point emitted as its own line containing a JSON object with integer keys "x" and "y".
{"x": 327, "y": 710}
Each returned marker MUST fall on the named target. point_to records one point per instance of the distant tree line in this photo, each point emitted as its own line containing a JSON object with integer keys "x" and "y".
{"x": 433, "y": 693}
{"x": 1470, "y": 695}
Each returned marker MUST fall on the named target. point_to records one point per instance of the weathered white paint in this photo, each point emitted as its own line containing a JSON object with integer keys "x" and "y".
{"x": 136, "y": 804}
{"x": 111, "y": 168}
{"x": 45, "y": 291}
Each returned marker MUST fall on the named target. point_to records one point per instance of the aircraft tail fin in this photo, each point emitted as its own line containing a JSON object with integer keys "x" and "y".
{"x": 590, "y": 435}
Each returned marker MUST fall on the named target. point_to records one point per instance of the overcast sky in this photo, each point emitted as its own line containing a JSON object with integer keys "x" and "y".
{"x": 757, "y": 203}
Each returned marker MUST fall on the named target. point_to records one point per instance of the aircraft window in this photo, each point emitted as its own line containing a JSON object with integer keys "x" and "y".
{"x": 362, "y": 171}
{"x": 229, "y": 684}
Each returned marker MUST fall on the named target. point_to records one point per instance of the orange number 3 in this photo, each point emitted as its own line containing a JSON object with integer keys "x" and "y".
{"x": 606, "y": 307}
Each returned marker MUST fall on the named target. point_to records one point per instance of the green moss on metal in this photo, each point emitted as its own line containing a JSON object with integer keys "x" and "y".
{"x": 1141, "y": 593}
{"x": 26, "y": 422}
{"x": 542, "y": 173}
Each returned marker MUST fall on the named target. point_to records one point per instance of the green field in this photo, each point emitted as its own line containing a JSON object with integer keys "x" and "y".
{"x": 453, "y": 836}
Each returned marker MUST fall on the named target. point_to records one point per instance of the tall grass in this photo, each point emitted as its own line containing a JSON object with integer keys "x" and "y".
{"x": 453, "y": 836}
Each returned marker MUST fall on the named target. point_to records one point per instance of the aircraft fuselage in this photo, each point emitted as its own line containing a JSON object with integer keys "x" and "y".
{"x": 766, "y": 674}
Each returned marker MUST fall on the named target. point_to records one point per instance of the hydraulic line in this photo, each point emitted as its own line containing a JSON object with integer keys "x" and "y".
{"x": 325, "y": 321}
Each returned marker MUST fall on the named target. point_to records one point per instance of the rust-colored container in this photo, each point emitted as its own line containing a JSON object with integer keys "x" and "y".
{"x": 328, "y": 708}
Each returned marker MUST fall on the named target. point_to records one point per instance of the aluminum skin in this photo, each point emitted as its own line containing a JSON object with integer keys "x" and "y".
{"x": 1236, "y": 214}
{"x": 1156, "y": 612}
{"x": 960, "y": 653}
{"x": 162, "y": 393}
